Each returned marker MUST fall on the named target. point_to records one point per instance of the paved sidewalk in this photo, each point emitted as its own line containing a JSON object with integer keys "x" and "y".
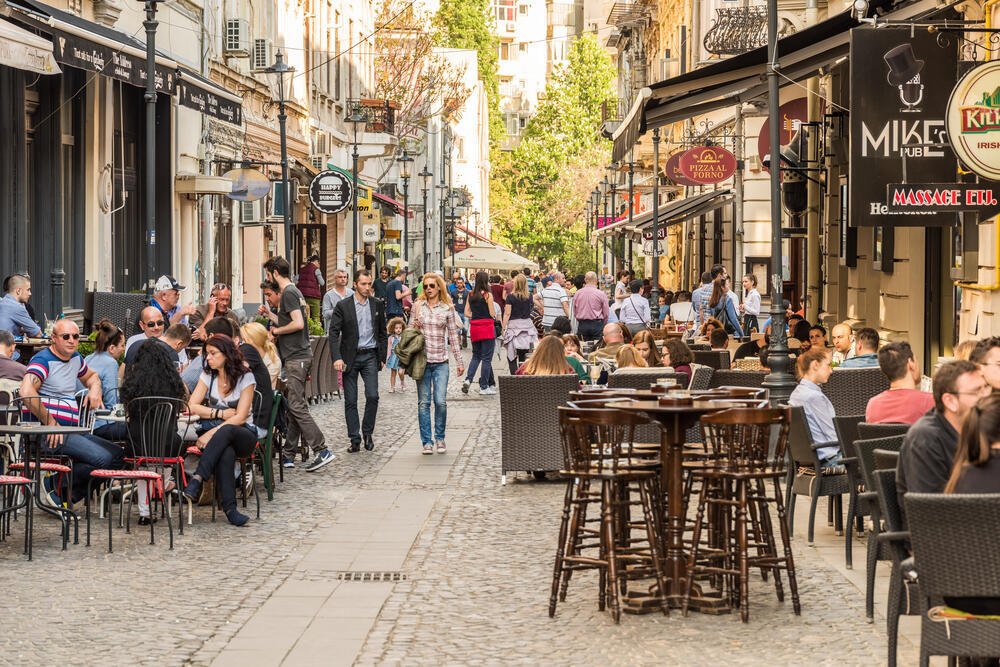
{"x": 392, "y": 557}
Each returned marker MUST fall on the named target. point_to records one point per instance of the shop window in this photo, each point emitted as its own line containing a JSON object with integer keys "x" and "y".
{"x": 848, "y": 234}
{"x": 882, "y": 254}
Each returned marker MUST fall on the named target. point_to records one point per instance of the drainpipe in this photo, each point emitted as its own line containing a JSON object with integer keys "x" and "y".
{"x": 813, "y": 257}
{"x": 988, "y": 11}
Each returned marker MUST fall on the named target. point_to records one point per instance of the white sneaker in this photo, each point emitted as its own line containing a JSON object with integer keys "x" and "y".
{"x": 428, "y": 449}
{"x": 489, "y": 391}
{"x": 441, "y": 449}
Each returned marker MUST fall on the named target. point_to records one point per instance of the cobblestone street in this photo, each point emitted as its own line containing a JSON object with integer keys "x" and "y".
{"x": 474, "y": 557}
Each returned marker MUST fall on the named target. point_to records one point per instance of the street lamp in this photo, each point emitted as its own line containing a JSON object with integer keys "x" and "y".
{"x": 150, "y": 96}
{"x": 605, "y": 190}
{"x": 281, "y": 68}
{"x": 442, "y": 188}
{"x": 612, "y": 177}
{"x": 595, "y": 198}
{"x": 779, "y": 381}
{"x": 357, "y": 123}
{"x": 405, "y": 165}
{"x": 425, "y": 178}
{"x": 655, "y": 301}
{"x": 631, "y": 190}
{"x": 453, "y": 201}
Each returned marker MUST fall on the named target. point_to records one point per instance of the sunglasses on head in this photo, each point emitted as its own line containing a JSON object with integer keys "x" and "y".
{"x": 157, "y": 323}
{"x": 74, "y": 336}
{"x": 220, "y": 286}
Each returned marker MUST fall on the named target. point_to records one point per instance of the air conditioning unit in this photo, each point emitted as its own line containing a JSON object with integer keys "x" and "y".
{"x": 260, "y": 58}
{"x": 250, "y": 213}
{"x": 236, "y": 41}
{"x": 319, "y": 162}
{"x": 322, "y": 143}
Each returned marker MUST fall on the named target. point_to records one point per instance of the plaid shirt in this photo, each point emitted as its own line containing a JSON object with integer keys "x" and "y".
{"x": 434, "y": 323}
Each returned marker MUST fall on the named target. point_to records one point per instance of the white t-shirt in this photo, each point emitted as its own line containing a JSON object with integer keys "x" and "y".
{"x": 553, "y": 296}
{"x": 232, "y": 398}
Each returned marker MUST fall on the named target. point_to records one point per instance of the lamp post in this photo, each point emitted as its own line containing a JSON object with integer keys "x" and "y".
{"x": 357, "y": 123}
{"x": 779, "y": 381}
{"x": 631, "y": 189}
{"x": 612, "y": 176}
{"x": 425, "y": 177}
{"x": 654, "y": 306}
{"x": 595, "y": 203}
{"x": 452, "y": 200}
{"x": 281, "y": 68}
{"x": 405, "y": 165}
{"x": 150, "y": 97}
{"x": 442, "y": 194}
{"x": 605, "y": 189}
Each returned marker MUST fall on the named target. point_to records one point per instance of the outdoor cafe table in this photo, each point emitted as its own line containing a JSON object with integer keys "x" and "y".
{"x": 32, "y": 435}
{"x": 674, "y": 420}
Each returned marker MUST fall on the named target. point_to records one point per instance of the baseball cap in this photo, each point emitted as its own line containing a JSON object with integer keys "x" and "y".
{"x": 167, "y": 282}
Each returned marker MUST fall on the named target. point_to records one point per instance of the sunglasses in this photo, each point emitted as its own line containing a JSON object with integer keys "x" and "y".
{"x": 158, "y": 323}
{"x": 220, "y": 286}
{"x": 430, "y": 286}
{"x": 74, "y": 336}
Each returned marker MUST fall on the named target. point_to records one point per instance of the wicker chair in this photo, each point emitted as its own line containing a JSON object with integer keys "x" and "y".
{"x": 802, "y": 454}
{"x": 731, "y": 378}
{"x": 955, "y": 552}
{"x": 850, "y": 388}
{"x": 867, "y": 431}
{"x": 701, "y": 377}
{"x": 529, "y": 421}
{"x": 896, "y": 543}
{"x": 717, "y": 359}
{"x": 643, "y": 380}
{"x": 865, "y": 503}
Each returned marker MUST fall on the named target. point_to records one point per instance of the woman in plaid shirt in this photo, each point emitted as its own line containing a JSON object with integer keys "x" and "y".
{"x": 434, "y": 316}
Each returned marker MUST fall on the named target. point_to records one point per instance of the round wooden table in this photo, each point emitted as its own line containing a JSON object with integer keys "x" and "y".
{"x": 674, "y": 421}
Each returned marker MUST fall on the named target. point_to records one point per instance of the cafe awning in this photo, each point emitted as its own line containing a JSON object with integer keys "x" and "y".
{"x": 395, "y": 206}
{"x": 744, "y": 77}
{"x": 201, "y": 94}
{"x": 672, "y": 212}
{"x": 487, "y": 256}
{"x": 91, "y": 46}
{"x": 25, "y": 50}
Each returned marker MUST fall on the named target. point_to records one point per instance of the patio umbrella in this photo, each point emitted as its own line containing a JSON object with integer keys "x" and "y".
{"x": 489, "y": 257}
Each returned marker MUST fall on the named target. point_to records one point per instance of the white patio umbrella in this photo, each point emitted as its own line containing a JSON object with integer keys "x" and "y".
{"x": 486, "y": 256}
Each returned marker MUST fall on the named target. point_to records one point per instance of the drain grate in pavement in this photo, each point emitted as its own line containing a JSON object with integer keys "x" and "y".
{"x": 372, "y": 576}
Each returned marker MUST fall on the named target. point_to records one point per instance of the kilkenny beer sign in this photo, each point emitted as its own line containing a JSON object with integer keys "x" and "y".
{"x": 706, "y": 165}
{"x": 973, "y": 120}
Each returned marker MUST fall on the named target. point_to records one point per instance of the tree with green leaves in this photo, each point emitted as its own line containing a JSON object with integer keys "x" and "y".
{"x": 468, "y": 24}
{"x": 538, "y": 190}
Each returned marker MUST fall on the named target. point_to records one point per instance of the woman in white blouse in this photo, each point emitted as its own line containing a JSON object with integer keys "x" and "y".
{"x": 751, "y": 304}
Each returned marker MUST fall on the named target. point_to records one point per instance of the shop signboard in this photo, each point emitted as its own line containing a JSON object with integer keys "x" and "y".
{"x": 330, "y": 191}
{"x": 672, "y": 169}
{"x": 899, "y": 82}
{"x": 792, "y": 114}
{"x": 974, "y": 120}
{"x": 369, "y": 233}
{"x": 983, "y": 198}
{"x": 661, "y": 232}
{"x": 80, "y": 52}
{"x": 707, "y": 165}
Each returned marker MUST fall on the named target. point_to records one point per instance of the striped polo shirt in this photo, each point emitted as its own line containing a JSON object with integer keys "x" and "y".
{"x": 58, "y": 378}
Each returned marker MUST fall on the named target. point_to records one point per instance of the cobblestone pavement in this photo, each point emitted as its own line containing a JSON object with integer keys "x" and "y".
{"x": 477, "y": 592}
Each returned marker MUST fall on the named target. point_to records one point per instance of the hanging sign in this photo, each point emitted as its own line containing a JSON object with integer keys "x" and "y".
{"x": 80, "y": 52}
{"x": 248, "y": 184}
{"x": 973, "y": 118}
{"x": 898, "y": 109}
{"x": 369, "y": 233}
{"x": 938, "y": 197}
{"x": 791, "y": 115}
{"x": 706, "y": 165}
{"x": 672, "y": 169}
{"x": 200, "y": 98}
{"x": 647, "y": 248}
{"x": 330, "y": 191}
{"x": 661, "y": 232}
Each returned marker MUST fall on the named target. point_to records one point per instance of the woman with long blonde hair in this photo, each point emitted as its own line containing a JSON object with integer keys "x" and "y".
{"x": 629, "y": 359}
{"x": 519, "y": 334}
{"x": 548, "y": 359}
{"x": 255, "y": 334}
{"x": 435, "y": 317}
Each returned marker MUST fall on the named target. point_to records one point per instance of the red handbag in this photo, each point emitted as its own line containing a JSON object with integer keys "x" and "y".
{"x": 481, "y": 330}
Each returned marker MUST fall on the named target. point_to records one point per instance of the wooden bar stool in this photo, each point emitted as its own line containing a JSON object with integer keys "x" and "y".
{"x": 602, "y": 467}
{"x": 750, "y": 443}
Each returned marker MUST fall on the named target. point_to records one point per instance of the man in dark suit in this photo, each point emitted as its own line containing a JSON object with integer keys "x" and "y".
{"x": 358, "y": 342}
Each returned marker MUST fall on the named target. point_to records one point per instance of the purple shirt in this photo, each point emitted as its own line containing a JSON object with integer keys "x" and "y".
{"x": 590, "y": 303}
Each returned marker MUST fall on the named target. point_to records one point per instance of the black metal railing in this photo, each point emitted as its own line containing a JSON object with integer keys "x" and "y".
{"x": 737, "y": 30}
{"x": 380, "y": 115}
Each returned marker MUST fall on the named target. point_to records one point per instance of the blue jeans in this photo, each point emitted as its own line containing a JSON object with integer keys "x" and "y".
{"x": 89, "y": 452}
{"x": 434, "y": 382}
{"x": 482, "y": 351}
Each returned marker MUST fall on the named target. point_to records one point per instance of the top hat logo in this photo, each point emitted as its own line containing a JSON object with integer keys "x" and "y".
{"x": 903, "y": 65}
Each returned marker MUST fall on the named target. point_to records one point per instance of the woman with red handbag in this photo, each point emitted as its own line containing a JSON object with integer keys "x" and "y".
{"x": 480, "y": 313}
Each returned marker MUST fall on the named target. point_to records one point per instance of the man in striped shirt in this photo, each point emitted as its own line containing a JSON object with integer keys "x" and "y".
{"x": 555, "y": 300}
{"x": 52, "y": 374}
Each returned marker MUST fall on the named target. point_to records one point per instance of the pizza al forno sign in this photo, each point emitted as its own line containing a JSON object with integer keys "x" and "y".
{"x": 973, "y": 120}
{"x": 706, "y": 165}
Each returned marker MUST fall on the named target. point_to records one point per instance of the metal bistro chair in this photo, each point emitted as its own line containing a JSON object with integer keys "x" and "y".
{"x": 156, "y": 446}
{"x": 954, "y": 548}
{"x": 847, "y": 433}
{"x": 10, "y": 484}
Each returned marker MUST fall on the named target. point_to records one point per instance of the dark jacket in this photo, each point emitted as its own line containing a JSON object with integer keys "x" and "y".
{"x": 927, "y": 456}
{"x": 411, "y": 353}
{"x": 344, "y": 331}
{"x": 262, "y": 415}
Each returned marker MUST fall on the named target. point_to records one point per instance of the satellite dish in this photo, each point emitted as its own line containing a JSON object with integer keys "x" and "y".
{"x": 248, "y": 184}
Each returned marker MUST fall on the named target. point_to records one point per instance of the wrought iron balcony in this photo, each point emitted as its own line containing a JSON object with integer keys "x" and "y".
{"x": 737, "y": 30}
{"x": 380, "y": 115}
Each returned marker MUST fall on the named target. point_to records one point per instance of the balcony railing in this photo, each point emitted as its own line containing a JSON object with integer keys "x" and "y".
{"x": 380, "y": 115}
{"x": 737, "y": 30}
